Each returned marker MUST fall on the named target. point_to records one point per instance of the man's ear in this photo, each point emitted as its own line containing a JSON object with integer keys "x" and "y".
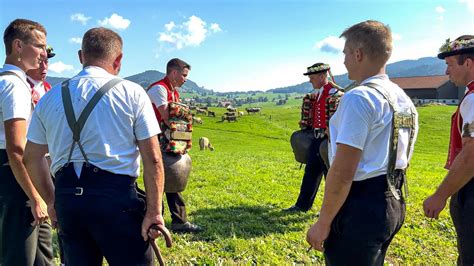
{"x": 469, "y": 62}
{"x": 79, "y": 54}
{"x": 117, "y": 63}
{"x": 17, "y": 46}
{"x": 358, "y": 54}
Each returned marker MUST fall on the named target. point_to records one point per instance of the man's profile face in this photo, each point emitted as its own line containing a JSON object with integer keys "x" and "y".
{"x": 180, "y": 77}
{"x": 318, "y": 80}
{"x": 457, "y": 73}
{"x": 349, "y": 60}
{"x": 41, "y": 72}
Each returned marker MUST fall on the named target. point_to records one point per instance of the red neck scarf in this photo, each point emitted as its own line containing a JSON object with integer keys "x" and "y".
{"x": 455, "y": 141}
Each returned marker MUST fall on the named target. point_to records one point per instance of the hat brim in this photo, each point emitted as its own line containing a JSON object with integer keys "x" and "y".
{"x": 315, "y": 72}
{"x": 456, "y": 52}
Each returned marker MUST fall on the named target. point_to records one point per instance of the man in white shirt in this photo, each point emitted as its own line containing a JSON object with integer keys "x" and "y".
{"x": 459, "y": 182}
{"x": 24, "y": 239}
{"x": 363, "y": 207}
{"x": 94, "y": 199}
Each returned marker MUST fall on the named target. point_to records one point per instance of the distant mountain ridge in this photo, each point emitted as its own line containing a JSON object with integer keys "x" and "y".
{"x": 145, "y": 79}
{"x": 426, "y": 66}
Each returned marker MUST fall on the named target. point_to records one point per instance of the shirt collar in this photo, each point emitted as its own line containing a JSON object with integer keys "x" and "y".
{"x": 35, "y": 82}
{"x": 17, "y": 70}
{"x": 94, "y": 71}
{"x": 470, "y": 85}
{"x": 376, "y": 78}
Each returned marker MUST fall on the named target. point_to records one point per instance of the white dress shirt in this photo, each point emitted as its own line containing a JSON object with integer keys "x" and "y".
{"x": 15, "y": 98}
{"x": 363, "y": 120}
{"x": 122, "y": 116}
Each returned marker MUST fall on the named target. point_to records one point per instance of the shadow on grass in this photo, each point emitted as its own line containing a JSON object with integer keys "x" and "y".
{"x": 247, "y": 222}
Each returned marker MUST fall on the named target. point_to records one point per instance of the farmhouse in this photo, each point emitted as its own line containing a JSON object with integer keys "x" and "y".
{"x": 424, "y": 89}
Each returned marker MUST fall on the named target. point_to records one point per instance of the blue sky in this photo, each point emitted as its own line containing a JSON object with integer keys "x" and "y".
{"x": 238, "y": 44}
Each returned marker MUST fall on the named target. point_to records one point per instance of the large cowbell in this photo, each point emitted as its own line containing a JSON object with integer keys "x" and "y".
{"x": 300, "y": 142}
{"x": 177, "y": 170}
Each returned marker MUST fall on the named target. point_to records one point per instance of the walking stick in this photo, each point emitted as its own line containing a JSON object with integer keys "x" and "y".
{"x": 169, "y": 242}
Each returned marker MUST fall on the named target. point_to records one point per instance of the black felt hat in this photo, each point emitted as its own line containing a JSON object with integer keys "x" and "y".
{"x": 462, "y": 45}
{"x": 317, "y": 68}
{"x": 50, "y": 51}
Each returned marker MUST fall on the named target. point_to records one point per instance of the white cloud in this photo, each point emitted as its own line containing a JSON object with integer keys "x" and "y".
{"x": 170, "y": 26}
{"x": 396, "y": 36}
{"x": 330, "y": 44}
{"x": 80, "y": 17}
{"x": 60, "y": 67}
{"x": 77, "y": 40}
{"x": 192, "y": 32}
{"x": 215, "y": 27}
{"x": 115, "y": 21}
{"x": 440, "y": 18}
{"x": 469, "y": 3}
{"x": 440, "y": 9}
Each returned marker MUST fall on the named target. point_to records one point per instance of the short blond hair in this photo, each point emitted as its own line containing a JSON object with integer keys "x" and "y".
{"x": 373, "y": 37}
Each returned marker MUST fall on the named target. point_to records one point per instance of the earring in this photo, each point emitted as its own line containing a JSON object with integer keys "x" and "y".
{"x": 19, "y": 59}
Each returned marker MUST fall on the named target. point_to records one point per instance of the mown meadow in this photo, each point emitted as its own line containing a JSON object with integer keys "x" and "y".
{"x": 238, "y": 191}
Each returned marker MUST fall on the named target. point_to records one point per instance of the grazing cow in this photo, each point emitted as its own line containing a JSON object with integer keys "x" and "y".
{"x": 204, "y": 143}
{"x": 253, "y": 110}
{"x": 241, "y": 113}
{"x": 201, "y": 111}
{"x": 211, "y": 113}
{"x": 231, "y": 109}
{"x": 197, "y": 120}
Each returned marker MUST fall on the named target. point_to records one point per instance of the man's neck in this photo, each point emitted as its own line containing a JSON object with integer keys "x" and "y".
{"x": 370, "y": 71}
{"x": 11, "y": 60}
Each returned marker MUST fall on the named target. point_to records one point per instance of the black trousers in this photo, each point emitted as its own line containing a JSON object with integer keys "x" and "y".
{"x": 462, "y": 213}
{"x": 313, "y": 173}
{"x": 100, "y": 215}
{"x": 365, "y": 225}
{"x": 177, "y": 208}
{"x": 20, "y": 243}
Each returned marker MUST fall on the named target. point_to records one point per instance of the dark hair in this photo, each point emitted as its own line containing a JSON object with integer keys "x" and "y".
{"x": 176, "y": 64}
{"x": 101, "y": 43}
{"x": 461, "y": 58}
{"x": 20, "y": 29}
{"x": 372, "y": 37}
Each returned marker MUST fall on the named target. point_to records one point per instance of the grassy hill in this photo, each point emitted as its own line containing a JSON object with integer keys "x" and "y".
{"x": 238, "y": 191}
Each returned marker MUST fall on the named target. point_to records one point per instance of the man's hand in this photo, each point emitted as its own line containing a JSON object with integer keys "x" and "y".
{"x": 433, "y": 205}
{"x": 317, "y": 234}
{"x": 38, "y": 210}
{"x": 52, "y": 215}
{"x": 148, "y": 221}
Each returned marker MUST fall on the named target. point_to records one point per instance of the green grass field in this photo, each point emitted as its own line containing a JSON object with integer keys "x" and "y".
{"x": 238, "y": 191}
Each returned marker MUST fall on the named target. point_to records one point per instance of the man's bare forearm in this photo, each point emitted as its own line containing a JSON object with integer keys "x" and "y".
{"x": 38, "y": 170}
{"x": 460, "y": 172}
{"x": 339, "y": 181}
{"x": 153, "y": 173}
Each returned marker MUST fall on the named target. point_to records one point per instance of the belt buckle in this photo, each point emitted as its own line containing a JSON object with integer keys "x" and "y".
{"x": 79, "y": 191}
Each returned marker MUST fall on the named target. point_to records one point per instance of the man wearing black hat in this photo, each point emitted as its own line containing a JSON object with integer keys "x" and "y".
{"x": 459, "y": 183}
{"x": 37, "y": 77}
{"x": 322, "y": 88}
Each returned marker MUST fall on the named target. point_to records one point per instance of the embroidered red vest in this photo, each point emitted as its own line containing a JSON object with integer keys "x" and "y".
{"x": 47, "y": 86}
{"x": 455, "y": 140}
{"x": 173, "y": 95}
{"x": 319, "y": 108}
